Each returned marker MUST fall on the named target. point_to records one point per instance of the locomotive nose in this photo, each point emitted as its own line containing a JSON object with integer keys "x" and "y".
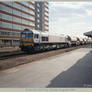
{"x": 28, "y": 42}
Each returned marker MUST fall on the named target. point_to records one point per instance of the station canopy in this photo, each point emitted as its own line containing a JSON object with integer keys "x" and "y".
{"x": 89, "y": 34}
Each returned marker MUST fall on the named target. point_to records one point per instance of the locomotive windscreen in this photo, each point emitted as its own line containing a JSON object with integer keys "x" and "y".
{"x": 26, "y": 33}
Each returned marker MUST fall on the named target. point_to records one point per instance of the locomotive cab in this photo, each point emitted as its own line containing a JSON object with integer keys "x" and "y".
{"x": 26, "y": 40}
{"x": 29, "y": 39}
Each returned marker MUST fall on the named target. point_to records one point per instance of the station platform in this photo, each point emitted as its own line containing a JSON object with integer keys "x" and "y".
{"x": 72, "y": 69}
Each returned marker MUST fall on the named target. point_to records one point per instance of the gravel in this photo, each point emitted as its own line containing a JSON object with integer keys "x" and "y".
{"x": 12, "y": 62}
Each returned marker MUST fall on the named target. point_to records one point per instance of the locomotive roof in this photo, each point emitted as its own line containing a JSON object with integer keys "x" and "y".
{"x": 40, "y": 32}
{"x": 36, "y": 31}
{"x": 31, "y": 30}
{"x": 27, "y": 30}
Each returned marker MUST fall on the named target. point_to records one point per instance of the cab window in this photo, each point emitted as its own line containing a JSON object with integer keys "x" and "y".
{"x": 26, "y": 35}
{"x": 23, "y": 35}
{"x": 29, "y": 35}
{"x": 36, "y": 36}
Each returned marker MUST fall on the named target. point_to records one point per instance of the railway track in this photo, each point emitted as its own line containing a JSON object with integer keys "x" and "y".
{"x": 16, "y": 54}
{"x": 11, "y": 55}
{"x": 9, "y": 60}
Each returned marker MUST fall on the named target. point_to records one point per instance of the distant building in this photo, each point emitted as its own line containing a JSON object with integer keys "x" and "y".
{"x": 42, "y": 16}
{"x": 16, "y": 16}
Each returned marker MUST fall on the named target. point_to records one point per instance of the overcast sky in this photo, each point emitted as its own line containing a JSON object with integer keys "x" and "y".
{"x": 70, "y": 18}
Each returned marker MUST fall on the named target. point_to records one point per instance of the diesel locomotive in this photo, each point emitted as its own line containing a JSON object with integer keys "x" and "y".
{"x": 35, "y": 40}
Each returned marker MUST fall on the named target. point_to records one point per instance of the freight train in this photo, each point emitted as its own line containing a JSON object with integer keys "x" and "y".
{"x": 35, "y": 40}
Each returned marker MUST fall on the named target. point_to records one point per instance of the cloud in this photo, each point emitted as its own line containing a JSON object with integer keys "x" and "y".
{"x": 65, "y": 4}
{"x": 73, "y": 18}
{"x": 89, "y": 12}
{"x": 77, "y": 29}
{"x": 69, "y": 9}
{"x": 72, "y": 29}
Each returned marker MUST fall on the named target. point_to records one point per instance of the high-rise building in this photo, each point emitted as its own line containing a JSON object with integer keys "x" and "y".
{"x": 14, "y": 18}
{"x": 42, "y": 16}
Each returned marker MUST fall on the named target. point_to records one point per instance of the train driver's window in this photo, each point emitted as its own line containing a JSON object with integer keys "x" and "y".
{"x": 36, "y": 36}
{"x": 23, "y": 35}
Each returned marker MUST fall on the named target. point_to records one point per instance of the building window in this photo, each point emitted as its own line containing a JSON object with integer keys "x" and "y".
{"x": 38, "y": 15}
{"x": 38, "y": 10}
{"x": 38, "y": 5}
{"x": 38, "y": 25}
{"x": 38, "y": 20}
{"x": 36, "y": 35}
